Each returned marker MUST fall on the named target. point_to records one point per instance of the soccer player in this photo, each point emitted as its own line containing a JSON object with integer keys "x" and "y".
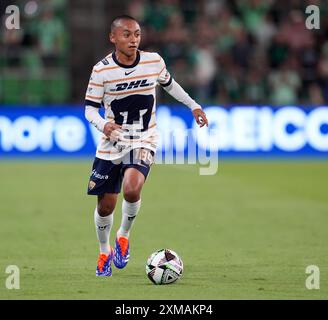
{"x": 124, "y": 84}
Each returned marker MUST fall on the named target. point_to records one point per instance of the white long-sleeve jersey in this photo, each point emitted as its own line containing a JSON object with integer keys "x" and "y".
{"x": 128, "y": 94}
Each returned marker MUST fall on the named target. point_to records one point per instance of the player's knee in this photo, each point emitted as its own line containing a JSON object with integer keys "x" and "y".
{"x": 105, "y": 209}
{"x": 132, "y": 193}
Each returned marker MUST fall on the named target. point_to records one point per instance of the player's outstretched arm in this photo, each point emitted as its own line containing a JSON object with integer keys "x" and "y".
{"x": 177, "y": 92}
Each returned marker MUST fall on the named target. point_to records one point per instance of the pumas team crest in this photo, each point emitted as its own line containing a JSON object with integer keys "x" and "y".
{"x": 92, "y": 184}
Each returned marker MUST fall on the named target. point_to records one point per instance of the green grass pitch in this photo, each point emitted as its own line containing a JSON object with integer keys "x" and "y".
{"x": 248, "y": 232}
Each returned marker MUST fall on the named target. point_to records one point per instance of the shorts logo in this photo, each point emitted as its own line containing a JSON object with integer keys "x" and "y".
{"x": 92, "y": 184}
{"x": 98, "y": 175}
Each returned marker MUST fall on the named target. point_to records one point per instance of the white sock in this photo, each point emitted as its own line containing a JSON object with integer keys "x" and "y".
{"x": 129, "y": 212}
{"x": 103, "y": 227}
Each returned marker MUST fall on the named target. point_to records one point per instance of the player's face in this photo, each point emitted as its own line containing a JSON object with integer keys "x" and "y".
{"x": 126, "y": 37}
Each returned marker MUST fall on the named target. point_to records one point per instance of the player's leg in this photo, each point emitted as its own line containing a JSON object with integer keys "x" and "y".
{"x": 135, "y": 175}
{"x": 105, "y": 182}
{"x": 132, "y": 185}
{"x": 104, "y": 218}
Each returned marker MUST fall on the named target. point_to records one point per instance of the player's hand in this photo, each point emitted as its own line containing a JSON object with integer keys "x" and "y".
{"x": 112, "y": 131}
{"x": 200, "y": 117}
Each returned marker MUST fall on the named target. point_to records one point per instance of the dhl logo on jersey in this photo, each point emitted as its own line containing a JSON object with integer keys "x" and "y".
{"x": 132, "y": 85}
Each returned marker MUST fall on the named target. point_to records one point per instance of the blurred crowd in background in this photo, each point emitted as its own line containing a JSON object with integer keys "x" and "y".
{"x": 245, "y": 52}
{"x": 221, "y": 52}
{"x": 33, "y": 59}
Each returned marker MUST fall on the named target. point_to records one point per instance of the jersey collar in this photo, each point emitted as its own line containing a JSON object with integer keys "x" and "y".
{"x": 126, "y": 65}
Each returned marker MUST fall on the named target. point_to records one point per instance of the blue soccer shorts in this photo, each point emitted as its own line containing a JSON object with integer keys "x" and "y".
{"x": 107, "y": 175}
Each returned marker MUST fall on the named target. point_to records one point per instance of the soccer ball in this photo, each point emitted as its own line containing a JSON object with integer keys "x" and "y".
{"x": 164, "y": 266}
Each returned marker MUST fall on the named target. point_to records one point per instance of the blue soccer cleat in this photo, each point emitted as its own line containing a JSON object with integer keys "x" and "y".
{"x": 104, "y": 267}
{"x": 121, "y": 252}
